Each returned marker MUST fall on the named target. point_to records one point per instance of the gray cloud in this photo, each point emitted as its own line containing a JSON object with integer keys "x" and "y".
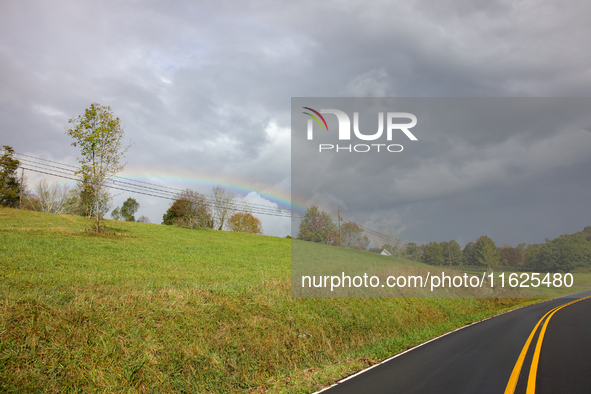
{"x": 476, "y": 160}
{"x": 206, "y": 86}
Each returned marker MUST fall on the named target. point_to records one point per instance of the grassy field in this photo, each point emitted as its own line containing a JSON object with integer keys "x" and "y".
{"x": 160, "y": 309}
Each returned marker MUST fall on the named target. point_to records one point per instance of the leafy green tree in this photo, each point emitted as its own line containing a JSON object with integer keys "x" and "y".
{"x": 245, "y": 223}
{"x": 485, "y": 252}
{"x": 585, "y": 234}
{"x": 451, "y": 252}
{"x": 81, "y": 202}
{"x": 143, "y": 219}
{"x": 190, "y": 210}
{"x": 318, "y": 226}
{"x": 412, "y": 251}
{"x": 531, "y": 253}
{"x": 433, "y": 254}
{"x": 444, "y": 251}
{"x": 468, "y": 254}
{"x": 100, "y": 137}
{"x": 116, "y": 213}
{"x": 10, "y": 187}
{"x": 521, "y": 248}
{"x": 353, "y": 236}
{"x": 563, "y": 254}
{"x": 176, "y": 211}
{"x": 422, "y": 252}
{"x": 129, "y": 208}
{"x": 509, "y": 255}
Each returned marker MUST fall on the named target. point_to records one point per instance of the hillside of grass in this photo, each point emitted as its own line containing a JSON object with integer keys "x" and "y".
{"x": 153, "y": 309}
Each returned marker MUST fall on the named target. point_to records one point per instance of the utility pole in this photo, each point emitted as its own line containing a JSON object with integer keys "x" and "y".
{"x": 20, "y": 194}
{"x": 339, "y": 216}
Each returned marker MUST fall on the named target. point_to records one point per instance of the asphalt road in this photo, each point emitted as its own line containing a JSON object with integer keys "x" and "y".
{"x": 481, "y": 358}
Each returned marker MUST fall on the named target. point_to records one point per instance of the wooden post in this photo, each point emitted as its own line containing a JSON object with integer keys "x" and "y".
{"x": 20, "y": 194}
{"x": 339, "y": 216}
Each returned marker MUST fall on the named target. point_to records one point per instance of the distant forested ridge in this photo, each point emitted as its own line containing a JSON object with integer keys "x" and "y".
{"x": 567, "y": 253}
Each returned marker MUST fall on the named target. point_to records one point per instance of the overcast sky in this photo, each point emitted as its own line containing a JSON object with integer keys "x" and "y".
{"x": 204, "y": 90}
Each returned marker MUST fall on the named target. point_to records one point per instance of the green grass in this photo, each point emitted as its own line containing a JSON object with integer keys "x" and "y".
{"x": 160, "y": 309}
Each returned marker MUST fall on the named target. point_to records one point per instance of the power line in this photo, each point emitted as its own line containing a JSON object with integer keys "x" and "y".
{"x": 162, "y": 189}
{"x": 69, "y": 172}
{"x": 236, "y": 208}
{"x": 378, "y": 234}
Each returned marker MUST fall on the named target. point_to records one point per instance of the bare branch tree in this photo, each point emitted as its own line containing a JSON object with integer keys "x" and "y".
{"x": 223, "y": 206}
{"x": 353, "y": 236}
{"x": 52, "y": 197}
{"x": 391, "y": 242}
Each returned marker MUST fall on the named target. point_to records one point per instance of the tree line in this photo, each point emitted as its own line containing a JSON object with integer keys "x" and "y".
{"x": 221, "y": 211}
{"x": 566, "y": 253}
{"x": 190, "y": 209}
{"x": 99, "y": 135}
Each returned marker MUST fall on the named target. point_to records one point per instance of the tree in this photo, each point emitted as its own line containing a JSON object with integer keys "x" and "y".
{"x": 531, "y": 254}
{"x": 176, "y": 211}
{"x": 245, "y": 223}
{"x": 81, "y": 202}
{"x": 485, "y": 252}
{"x": 50, "y": 197}
{"x": 422, "y": 252}
{"x": 100, "y": 138}
{"x": 10, "y": 185}
{"x": 190, "y": 210}
{"x": 412, "y": 251}
{"x": 116, "y": 213}
{"x": 509, "y": 255}
{"x": 30, "y": 202}
{"x": 317, "y": 226}
{"x": 563, "y": 255}
{"x": 522, "y": 254}
{"x": 143, "y": 219}
{"x": 222, "y": 205}
{"x": 393, "y": 244}
{"x": 129, "y": 208}
{"x": 451, "y": 252}
{"x": 434, "y": 254}
{"x": 127, "y": 212}
{"x": 468, "y": 254}
{"x": 353, "y": 236}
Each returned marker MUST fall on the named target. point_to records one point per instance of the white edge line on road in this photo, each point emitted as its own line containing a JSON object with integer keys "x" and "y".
{"x": 434, "y": 339}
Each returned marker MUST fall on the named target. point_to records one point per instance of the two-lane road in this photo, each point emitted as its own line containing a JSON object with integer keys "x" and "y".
{"x": 482, "y": 358}
{"x": 565, "y": 362}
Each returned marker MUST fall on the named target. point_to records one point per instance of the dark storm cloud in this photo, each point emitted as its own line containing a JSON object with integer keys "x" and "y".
{"x": 494, "y": 164}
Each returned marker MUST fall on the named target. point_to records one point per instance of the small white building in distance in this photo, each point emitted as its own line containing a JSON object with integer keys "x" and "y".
{"x": 383, "y": 252}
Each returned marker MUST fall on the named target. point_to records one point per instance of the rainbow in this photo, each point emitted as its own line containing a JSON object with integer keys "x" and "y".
{"x": 204, "y": 183}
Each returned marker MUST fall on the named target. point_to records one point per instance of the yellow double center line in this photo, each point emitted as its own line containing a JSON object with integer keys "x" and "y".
{"x": 531, "y": 381}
